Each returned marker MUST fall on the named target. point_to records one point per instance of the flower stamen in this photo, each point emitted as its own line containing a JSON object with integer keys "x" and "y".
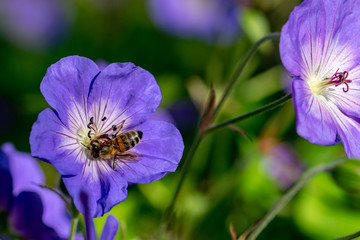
{"x": 89, "y": 134}
{"x": 90, "y": 126}
{"x": 340, "y": 78}
{"x": 90, "y": 123}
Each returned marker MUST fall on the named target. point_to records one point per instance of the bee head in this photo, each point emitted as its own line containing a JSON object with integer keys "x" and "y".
{"x": 94, "y": 149}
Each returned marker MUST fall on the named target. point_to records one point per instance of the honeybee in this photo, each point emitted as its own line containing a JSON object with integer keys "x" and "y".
{"x": 116, "y": 145}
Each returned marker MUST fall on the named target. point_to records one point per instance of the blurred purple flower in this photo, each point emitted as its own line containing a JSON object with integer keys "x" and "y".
{"x": 34, "y": 24}
{"x": 92, "y": 109}
{"x": 321, "y": 50}
{"x": 212, "y": 20}
{"x": 33, "y": 212}
{"x": 284, "y": 164}
{"x": 185, "y": 115}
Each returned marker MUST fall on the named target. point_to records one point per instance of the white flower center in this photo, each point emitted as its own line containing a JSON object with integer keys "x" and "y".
{"x": 315, "y": 85}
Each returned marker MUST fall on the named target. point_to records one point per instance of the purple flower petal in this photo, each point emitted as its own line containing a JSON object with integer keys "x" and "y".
{"x": 110, "y": 229}
{"x": 27, "y": 221}
{"x": 313, "y": 120}
{"x": 123, "y": 91}
{"x": 103, "y": 186}
{"x": 161, "y": 149}
{"x": 308, "y": 17}
{"x": 53, "y": 142}
{"x": 349, "y": 132}
{"x": 111, "y": 224}
{"x": 27, "y": 176}
{"x": 89, "y": 224}
{"x": 55, "y": 213}
{"x": 66, "y": 87}
{"x": 23, "y": 180}
{"x": 319, "y": 37}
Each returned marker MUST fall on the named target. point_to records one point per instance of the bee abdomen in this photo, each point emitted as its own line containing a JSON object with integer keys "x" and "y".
{"x": 128, "y": 139}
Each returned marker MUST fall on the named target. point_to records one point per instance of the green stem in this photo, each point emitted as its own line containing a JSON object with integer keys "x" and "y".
{"x": 352, "y": 236}
{"x": 241, "y": 66}
{"x": 285, "y": 199}
{"x": 189, "y": 156}
{"x": 74, "y": 221}
{"x": 262, "y": 109}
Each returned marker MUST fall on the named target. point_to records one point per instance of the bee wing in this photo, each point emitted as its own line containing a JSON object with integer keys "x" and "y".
{"x": 123, "y": 159}
{"x": 128, "y": 157}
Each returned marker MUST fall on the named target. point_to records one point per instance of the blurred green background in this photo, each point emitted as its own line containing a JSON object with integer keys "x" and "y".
{"x": 231, "y": 179}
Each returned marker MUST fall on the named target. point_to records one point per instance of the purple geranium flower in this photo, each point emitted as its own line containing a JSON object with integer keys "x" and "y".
{"x": 320, "y": 47}
{"x": 32, "y": 212}
{"x": 212, "y": 20}
{"x": 98, "y": 136}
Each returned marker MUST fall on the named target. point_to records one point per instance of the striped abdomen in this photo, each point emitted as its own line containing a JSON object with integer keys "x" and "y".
{"x": 127, "y": 140}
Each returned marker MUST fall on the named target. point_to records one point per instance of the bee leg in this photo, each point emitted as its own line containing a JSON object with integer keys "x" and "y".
{"x": 114, "y": 164}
